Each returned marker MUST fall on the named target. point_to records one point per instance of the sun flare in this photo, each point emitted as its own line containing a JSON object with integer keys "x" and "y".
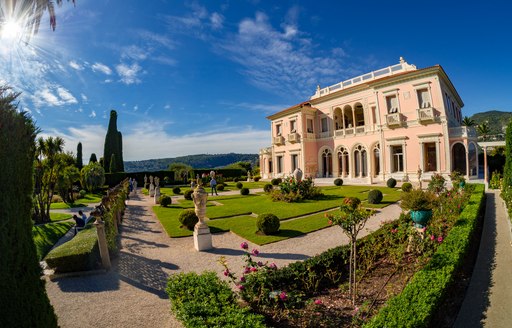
{"x": 11, "y": 30}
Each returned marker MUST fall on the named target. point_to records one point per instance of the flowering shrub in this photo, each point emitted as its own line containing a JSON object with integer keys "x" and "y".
{"x": 292, "y": 190}
{"x": 496, "y": 180}
{"x": 436, "y": 184}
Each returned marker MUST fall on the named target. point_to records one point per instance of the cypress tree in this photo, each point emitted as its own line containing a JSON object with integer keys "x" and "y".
{"x": 113, "y": 144}
{"x": 79, "y": 161}
{"x": 113, "y": 164}
{"x": 24, "y": 302}
{"x": 507, "y": 170}
{"x": 93, "y": 158}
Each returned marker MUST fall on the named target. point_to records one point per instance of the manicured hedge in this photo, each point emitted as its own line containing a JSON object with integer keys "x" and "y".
{"x": 420, "y": 299}
{"x": 206, "y": 301}
{"x": 225, "y": 173}
{"x": 113, "y": 179}
{"x": 79, "y": 254}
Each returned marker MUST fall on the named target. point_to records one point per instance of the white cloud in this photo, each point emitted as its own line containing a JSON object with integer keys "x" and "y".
{"x": 139, "y": 141}
{"x": 53, "y": 96}
{"x": 266, "y": 109}
{"x": 84, "y": 98}
{"x": 99, "y": 67}
{"x": 128, "y": 73}
{"x": 216, "y": 20}
{"x": 167, "y": 106}
{"x": 93, "y": 114}
{"x": 135, "y": 108}
{"x": 74, "y": 65}
{"x": 157, "y": 39}
{"x": 134, "y": 52}
{"x": 66, "y": 96}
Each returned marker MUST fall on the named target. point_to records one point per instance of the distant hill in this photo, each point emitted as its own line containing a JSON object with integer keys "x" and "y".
{"x": 496, "y": 119}
{"x": 201, "y": 161}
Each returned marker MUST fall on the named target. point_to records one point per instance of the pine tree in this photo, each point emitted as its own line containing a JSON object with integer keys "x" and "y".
{"x": 113, "y": 163}
{"x": 113, "y": 144}
{"x": 79, "y": 161}
{"x": 507, "y": 170}
{"x": 93, "y": 158}
{"x": 23, "y": 301}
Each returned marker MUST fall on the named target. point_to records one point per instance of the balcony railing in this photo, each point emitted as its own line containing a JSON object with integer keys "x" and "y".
{"x": 293, "y": 137}
{"x": 462, "y": 132}
{"x": 426, "y": 115}
{"x": 325, "y": 134}
{"x": 279, "y": 140}
{"x": 360, "y": 129}
{"x": 394, "y": 120}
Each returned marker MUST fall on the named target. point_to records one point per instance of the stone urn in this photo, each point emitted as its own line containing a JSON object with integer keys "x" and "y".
{"x": 202, "y": 235}
{"x": 297, "y": 174}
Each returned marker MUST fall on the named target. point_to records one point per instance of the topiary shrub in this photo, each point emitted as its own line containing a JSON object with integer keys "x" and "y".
{"x": 188, "y": 194}
{"x": 406, "y": 186}
{"x": 239, "y": 185}
{"x": 220, "y": 187}
{"x": 257, "y": 178}
{"x": 276, "y": 181}
{"x": 391, "y": 183}
{"x": 338, "y": 182}
{"x": 176, "y": 190}
{"x": 165, "y": 200}
{"x": 268, "y": 188}
{"x": 188, "y": 219}
{"x": 236, "y": 179}
{"x": 375, "y": 196}
{"x": 244, "y": 191}
{"x": 82, "y": 193}
{"x": 268, "y": 223}
{"x": 243, "y": 178}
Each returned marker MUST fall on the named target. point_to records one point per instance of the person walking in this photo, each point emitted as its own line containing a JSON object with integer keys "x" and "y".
{"x": 213, "y": 184}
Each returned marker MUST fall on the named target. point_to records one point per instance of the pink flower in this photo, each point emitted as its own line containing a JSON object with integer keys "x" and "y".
{"x": 394, "y": 230}
{"x": 318, "y": 302}
{"x": 424, "y": 229}
{"x": 244, "y": 245}
{"x": 283, "y": 296}
{"x": 273, "y": 266}
{"x": 432, "y": 237}
{"x": 241, "y": 287}
{"x": 260, "y": 264}
{"x": 255, "y": 252}
{"x": 440, "y": 239}
{"x": 247, "y": 270}
{"x": 242, "y": 279}
{"x": 253, "y": 269}
{"x": 330, "y": 222}
{"x": 226, "y": 272}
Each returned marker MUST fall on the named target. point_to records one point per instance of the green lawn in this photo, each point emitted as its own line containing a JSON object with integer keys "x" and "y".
{"x": 234, "y": 212}
{"x": 82, "y": 202}
{"x": 46, "y": 235}
{"x": 55, "y": 217}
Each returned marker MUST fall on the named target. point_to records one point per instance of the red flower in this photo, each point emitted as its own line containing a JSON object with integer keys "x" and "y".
{"x": 244, "y": 245}
{"x": 440, "y": 239}
{"x": 432, "y": 237}
{"x": 283, "y": 296}
{"x": 318, "y": 302}
{"x": 330, "y": 222}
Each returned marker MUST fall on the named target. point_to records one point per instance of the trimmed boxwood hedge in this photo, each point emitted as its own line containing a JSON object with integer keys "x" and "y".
{"x": 421, "y": 298}
{"x": 79, "y": 254}
{"x": 206, "y": 301}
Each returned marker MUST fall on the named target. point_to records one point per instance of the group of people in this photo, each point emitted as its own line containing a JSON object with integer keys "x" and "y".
{"x": 80, "y": 220}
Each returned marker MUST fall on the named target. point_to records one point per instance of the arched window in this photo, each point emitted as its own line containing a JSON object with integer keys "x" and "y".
{"x": 343, "y": 162}
{"x": 360, "y": 161}
{"x": 326, "y": 163}
{"x": 376, "y": 160}
{"x": 459, "y": 158}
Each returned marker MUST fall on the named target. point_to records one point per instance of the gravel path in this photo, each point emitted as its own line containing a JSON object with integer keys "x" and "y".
{"x": 132, "y": 294}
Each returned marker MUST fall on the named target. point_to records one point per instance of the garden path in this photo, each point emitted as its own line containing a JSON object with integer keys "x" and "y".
{"x": 132, "y": 293}
{"x": 488, "y": 300}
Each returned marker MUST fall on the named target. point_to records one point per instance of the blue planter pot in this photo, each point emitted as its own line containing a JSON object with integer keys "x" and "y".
{"x": 421, "y": 218}
{"x": 462, "y": 184}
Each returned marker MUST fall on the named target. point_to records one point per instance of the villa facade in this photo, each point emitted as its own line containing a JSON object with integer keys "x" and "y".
{"x": 386, "y": 123}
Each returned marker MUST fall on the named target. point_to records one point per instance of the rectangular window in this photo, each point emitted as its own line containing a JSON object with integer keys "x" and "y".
{"x": 293, "y": 128}
{"x": 325, "y": 128}
{"x": 397, "y": 159}
{"x": 429, "y": 157}
{"x": 295, "y": 161}
{"x": 278, "y": 129}
{"x": 270, "y": 168}
{"x": 424, "y": 98}
{"x": 279, "y": 164}
{"x": 310, "y": 126}
{"x": 374, "y": 115}
{"x": 392, "y": 104}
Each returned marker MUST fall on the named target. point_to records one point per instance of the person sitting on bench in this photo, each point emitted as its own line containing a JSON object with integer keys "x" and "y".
{"x": 79, "y": 222}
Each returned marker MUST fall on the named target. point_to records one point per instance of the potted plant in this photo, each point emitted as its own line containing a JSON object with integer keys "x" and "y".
{"x": 458, "y": 180}
{"x": 420, "y": 203}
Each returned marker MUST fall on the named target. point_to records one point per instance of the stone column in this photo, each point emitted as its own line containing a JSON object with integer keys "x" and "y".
{"x": 157, "y": 195}
{"x": 202, "y": 235}
{"x": 102, "y": 243}
{"x": 485, "y": 168}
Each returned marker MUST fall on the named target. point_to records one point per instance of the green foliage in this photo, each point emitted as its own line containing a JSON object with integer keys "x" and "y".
{"x": 23, "y": 301}
{"x": 181, "y": 170}
{"x": 243, "y": 166}
{"x": 165, "y": 200}
{"x": 220, "y": 187}
{"x": 47, "y": 235}
{"x": 82, "y": 193}
{"x": 93, "y": 158}
{"x": 276, "y": 181}
{"x": 188, "y": 194}
{"x": 391, "y": 183}
{"x": 244, "y": 191}
{"x": 114, "y": 204}
{"x": 375, "y": 196}
{"x": 79, "y": 254}
{"x": 496, "y": 120}
{"x": 406, "y": 186}
{"x": 268, "y": 187}
{"x": 188, "y": 219}
{"x": 418, "y": 200}
{"x": 421, "y": 298}
{"x": 239, "y": 185}
{"x": 176, "y": 190}
{"x": 507, "y": 170}
{"x": 496, "y": 180}
{"x": 92, "y": 176}
{"x": 67, "y": 176}
{"x": 436, "y": 183}
{"x": 338, "y": 182}
{"x": 113, "y": 146}
{"x": 79, "y": 157}
{"x": 292, "y": 190}
{"x": 268, "y": 223}
{"x": 257, "y": 178}
{"x": 206, "y": 301}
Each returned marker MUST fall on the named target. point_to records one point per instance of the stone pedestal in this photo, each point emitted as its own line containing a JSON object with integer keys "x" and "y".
{"x": 202, "y": 237}
{"x": 151, "y": 190}
{"x": 157, "y": 195}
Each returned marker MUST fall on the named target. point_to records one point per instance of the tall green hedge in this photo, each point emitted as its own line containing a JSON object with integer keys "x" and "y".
{"x": 23, "y": 300}
{"x": 507, "y": 170}
{"x": 113, "y": 145}
{"x": 113, "y": 179}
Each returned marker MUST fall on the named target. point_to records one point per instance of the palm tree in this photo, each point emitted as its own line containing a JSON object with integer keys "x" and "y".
{"x": 27, "y": 14}
{"x": 484, "y": 130}
{"x": 468, "y": 121}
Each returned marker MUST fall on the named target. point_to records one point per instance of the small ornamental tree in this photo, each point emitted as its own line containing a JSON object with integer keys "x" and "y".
{"x": 92, "y": 176}
{"x": 352, "y": 219}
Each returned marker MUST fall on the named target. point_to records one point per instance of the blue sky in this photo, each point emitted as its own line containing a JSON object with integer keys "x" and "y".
{"x": 200, "y": 77}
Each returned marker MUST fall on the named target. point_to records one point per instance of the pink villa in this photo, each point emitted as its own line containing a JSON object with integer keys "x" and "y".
{"x": 386, "y": 123}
